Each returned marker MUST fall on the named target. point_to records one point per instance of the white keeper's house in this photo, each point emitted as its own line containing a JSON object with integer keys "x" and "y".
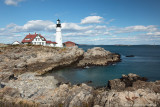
{"x": 38, "y": 39}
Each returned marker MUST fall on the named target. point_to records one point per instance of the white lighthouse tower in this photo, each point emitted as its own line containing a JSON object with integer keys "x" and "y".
{"x": 58, "y": 34}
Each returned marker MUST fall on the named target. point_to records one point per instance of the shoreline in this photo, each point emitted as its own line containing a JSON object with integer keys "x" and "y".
{"x": 26, "y": 82}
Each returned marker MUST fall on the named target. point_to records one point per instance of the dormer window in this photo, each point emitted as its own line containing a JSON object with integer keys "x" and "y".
{"x": 27, "y": 39}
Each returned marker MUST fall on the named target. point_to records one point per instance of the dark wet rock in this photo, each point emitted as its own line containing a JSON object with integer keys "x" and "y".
{"x": 132, "y": 82}
{"x": 12, "y": 77}
{"x": 116, "y": 84}
{"x": 130, "y": 56}
{"x": 78, "y": 84}
{"x": 2, "y": 85}
{"x": 6, "y": 76}
{"x": 88, "y": 82}
{"x": 124, "y": 82}
{"x": 130, "y": 78}
{"x": 59, "y": 83}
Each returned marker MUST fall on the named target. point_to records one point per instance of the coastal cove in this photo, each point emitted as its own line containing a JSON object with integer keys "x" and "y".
{"x": 146, "y": 62}
{"x": 27, "y": 81}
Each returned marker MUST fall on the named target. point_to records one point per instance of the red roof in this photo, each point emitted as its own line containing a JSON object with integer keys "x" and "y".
{"x": 30, "y": 37}
{"x": 49, "y": 42}
{"x": 69, "y": 42}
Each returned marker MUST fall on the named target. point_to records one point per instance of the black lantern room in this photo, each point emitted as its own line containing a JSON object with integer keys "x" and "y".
{"x": 58, "y": 23}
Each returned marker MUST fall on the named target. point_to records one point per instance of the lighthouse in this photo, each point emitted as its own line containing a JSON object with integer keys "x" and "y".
{"x": 58, "y": 34}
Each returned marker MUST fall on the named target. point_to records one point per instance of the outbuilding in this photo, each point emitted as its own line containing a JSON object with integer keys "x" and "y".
{"x": 50, "y": 43}
{"x": 16, "y": 43}
{"x": 69, "y": 44}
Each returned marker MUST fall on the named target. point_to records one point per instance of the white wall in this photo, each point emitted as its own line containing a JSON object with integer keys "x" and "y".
{"x": 58, "y": 37}
{"x": 38, "y": 41}
{"x": 15, "y": 43}
{"x": 51, "y": 45}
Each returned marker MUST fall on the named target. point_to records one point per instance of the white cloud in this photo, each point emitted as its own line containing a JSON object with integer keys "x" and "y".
{"x": 12, "y": 2}
{"x": 75, "y": 34}
{"x": 38, "y": 25}
{"x": 71, "y": 27}
{"x": 136, "y": 28}
{"x": 30, "y": 26}
{"x": 17, "y": 35}
{"x": 153, "y": 33}
{"x": 100, "y": 27}
{"x": 107, "y": 33}
{"x": 92, "y": 19}
{"x": 97, "y": 39}
{"x": 81, "y": 32}
{"x": 44, "y": 26}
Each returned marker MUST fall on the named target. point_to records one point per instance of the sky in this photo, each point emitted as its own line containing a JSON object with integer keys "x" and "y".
{"x": 98, "y": 22}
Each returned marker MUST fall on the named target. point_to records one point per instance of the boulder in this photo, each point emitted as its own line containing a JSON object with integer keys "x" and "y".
{"x": 126, "y": 81}
{"x": 154, "y": 86}
{"x": 116, "y": 84}
{"x": 130, "y": 78}
{"x": 98, "y": 56}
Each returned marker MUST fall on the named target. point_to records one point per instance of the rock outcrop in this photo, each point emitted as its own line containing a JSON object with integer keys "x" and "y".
{"x": 126, "y": 82}
{"x": 98, "y": 56}
{"x": 138, "y": 98}
{"x": 44, "y": 92}
{"x": 41, "y": 59}
{"x": 41, "y": 91}
{"x": 30, "y": 85}
{"x": 19, "y": 59}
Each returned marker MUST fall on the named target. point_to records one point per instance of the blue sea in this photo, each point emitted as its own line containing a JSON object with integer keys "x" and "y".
{"x": 145, "y": 63}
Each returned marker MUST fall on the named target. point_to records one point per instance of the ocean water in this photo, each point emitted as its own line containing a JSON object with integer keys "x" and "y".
{"x": 145, "y": 63}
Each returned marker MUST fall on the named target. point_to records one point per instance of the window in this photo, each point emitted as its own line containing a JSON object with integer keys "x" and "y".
{"x": 27, "y": 39}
